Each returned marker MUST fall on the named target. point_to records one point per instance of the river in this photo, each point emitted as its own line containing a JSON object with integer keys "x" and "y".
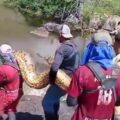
{"x": 16, "y": 32}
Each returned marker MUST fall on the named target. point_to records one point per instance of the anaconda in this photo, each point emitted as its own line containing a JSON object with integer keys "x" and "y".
{"x": 41, "y": 80}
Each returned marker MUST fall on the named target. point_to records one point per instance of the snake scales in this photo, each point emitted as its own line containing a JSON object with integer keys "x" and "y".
{"x": 38, "y": 81}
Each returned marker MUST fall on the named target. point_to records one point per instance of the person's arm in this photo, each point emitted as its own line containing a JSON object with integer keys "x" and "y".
{"x": 75, "y": 90}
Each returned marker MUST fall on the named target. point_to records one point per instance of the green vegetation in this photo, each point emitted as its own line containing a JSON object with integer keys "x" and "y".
{"x": 38, "y": 9}
{"x": 101, "y": 7}
{"x": 41, "y": 11}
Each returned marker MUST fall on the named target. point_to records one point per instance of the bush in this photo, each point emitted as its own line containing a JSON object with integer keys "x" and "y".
{"x": 47, "y": 9}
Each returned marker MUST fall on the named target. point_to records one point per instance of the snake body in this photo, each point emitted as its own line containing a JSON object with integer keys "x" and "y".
{"x": 41, "y": 80}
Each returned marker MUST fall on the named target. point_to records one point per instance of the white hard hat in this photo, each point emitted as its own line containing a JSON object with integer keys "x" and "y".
{"x": 5, "y": 48}
{"x": 66, "y": 31}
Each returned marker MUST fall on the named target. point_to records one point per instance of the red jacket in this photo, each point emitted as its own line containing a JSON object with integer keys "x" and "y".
{"x": 10, "y": 78}
{"x": 97, "y": 105}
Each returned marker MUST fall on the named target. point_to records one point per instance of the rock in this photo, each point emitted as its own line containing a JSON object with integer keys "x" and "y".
{"x": 32, "y": 109}
{"x": 95, "y": 22}
{"x": 41, "y": 32}
{"x": 109, "y": 23}
{"x": 53, "y": 27}
{"x": 72, "y": 19}
{"x": 31, "y": 91}
{"x": 116, "y": 31}
{"x": 74, "y": 22}
{"x": 112, "y": 23}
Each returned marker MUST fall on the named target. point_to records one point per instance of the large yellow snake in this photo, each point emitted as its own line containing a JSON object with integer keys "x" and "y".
{"x": 38, "y": 81}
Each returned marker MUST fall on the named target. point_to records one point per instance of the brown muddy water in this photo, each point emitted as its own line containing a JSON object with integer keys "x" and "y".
{"x": 16, "y": 32}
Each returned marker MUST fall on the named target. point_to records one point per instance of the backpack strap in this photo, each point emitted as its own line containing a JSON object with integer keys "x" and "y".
{"x": 107, "y": 82}
{"x": 97, "y": 70}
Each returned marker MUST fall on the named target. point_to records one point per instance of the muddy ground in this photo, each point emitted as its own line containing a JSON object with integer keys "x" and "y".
{"x": 30, "y": 108}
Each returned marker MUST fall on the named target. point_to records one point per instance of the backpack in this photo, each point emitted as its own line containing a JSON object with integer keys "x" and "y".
{"x": 106, "y": 81}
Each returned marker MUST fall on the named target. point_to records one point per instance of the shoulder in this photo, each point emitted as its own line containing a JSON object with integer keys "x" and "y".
{"x": 68, "y": 43}
{"x": 6, "y": 68}
{"x": 84, "y": 68}
{"x": 84, "y": 71}
{"x": 83, "y": 76}
{"x": 66, "y": 46}
{"x": 2, "y": 67}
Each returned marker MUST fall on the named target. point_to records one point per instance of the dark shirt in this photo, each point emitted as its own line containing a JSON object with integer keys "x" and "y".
{"x": 66, "y": 58}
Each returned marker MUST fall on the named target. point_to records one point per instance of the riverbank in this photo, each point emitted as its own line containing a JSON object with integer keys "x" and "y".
{"x": 30, "y": 108}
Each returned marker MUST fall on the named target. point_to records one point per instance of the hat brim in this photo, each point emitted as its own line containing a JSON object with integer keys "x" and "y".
{"x": 67, "y": 35}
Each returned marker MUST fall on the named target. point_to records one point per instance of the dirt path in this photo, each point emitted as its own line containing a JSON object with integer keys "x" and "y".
{"x": 30, "y": 108}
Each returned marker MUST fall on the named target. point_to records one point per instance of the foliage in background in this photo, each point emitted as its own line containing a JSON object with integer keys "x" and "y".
{"x": 101, "y": 7}
{"x": 47, "y": 9}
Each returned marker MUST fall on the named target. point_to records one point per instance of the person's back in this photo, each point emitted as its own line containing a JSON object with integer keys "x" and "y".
{"x": 93, "y": 101}
{"x": 98, "y": 104}
{"x": 71, "y": 56}
{"x": 10, "y": 82}
{"x": 67, "y": 59}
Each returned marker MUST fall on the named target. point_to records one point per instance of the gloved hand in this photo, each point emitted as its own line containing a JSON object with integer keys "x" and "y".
{"x": 52, "y": 76}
